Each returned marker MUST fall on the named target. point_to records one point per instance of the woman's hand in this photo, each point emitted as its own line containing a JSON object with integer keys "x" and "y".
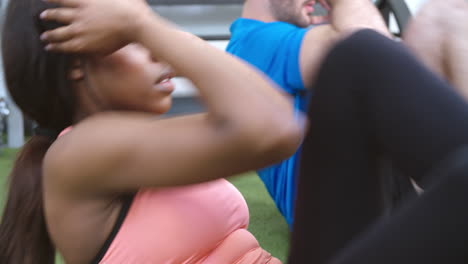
{"x": 425, "y": 35}
{"x": 95, "y": 26}
{"x": 438, "y": 35}
{"x": 436, "y": 26}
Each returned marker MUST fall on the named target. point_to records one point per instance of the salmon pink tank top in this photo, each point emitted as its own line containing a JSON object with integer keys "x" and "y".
{"x": 203, "y": 223}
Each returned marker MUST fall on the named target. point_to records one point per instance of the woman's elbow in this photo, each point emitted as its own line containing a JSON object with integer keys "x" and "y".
{"x": 289, "y": 138}
{"x": 281, "y": 138}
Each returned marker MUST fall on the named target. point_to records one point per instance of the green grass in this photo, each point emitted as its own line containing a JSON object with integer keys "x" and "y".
{"x": 6, "y": 160}
{"x": 266, "y": 223}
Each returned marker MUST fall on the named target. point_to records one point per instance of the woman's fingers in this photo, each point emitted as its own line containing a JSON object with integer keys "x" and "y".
{"x": 67, "y": 3}
{"x": 61, "y": 15}
{"x": 60, "y": 34}
{"x": 71, "y": 46}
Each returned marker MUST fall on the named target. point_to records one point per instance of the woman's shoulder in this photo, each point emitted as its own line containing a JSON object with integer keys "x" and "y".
{"x": 84, "y": 148}
{"x": 96, "y": 152}
{"x": 92, "y": 133}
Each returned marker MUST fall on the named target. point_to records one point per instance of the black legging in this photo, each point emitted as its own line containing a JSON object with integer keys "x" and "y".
{"x": 373, "y": 98}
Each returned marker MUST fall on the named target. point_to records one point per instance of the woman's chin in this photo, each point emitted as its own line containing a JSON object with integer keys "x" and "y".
{"x": 163, "y": 106}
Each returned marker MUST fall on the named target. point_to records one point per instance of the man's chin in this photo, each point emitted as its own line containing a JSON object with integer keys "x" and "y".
{"x": 304, "y": 22}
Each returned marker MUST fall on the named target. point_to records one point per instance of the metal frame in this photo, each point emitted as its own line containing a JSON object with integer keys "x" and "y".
{"x": 398, "y": 8}
{"x": 215, "y": 37}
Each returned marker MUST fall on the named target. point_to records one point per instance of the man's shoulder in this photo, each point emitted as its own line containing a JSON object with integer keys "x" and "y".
{"x": 256, "y": 28}
{"x": 278, "y": 29}
{"x": 281, "y": 25}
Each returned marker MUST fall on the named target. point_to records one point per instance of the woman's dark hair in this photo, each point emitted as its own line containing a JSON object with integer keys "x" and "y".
{"x": 38, "y": 83}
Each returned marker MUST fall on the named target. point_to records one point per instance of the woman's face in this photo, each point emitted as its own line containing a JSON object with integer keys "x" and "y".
{"x": 129, "y": 79}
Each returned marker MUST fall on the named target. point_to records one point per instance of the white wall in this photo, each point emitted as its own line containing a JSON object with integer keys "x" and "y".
{"x": 203, "y": 20}
{"x": 2, "y": 81}
{"x": 183, "y": 87}
{"x": 414, "y": 5}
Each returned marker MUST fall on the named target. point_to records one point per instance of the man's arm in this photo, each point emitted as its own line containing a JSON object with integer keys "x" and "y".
{"x": 347, "y": 16}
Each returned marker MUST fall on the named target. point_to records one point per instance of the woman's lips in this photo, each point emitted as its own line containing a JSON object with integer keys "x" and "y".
{"x": 165, "y": 86}
{"x": 164, "y": 83}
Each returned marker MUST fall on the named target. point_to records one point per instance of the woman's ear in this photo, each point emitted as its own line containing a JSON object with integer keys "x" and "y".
{"x": 76, "y": 72}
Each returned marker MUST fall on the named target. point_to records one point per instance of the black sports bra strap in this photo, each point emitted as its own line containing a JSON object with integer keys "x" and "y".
{"x": 126, "y": 203}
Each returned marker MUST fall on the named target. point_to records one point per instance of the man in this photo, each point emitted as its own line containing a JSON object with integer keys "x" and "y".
{"x": 273, "y": 35}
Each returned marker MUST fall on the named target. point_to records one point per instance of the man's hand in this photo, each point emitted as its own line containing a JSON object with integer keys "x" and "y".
{"x": 321, "y": 19}
{"x": 347, "y": 16}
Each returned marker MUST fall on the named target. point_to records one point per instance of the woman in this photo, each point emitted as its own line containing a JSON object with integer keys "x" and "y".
{"x": 104, "y": 191}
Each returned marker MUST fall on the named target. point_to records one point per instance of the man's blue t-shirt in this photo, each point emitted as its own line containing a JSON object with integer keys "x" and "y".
{"x": 274, "y": 49}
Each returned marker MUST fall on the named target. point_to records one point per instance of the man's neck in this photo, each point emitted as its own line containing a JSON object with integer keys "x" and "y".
{"x": 258, "y": 10}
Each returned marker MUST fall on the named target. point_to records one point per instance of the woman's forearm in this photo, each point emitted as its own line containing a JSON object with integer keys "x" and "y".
{"x": 227, "y": 85}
